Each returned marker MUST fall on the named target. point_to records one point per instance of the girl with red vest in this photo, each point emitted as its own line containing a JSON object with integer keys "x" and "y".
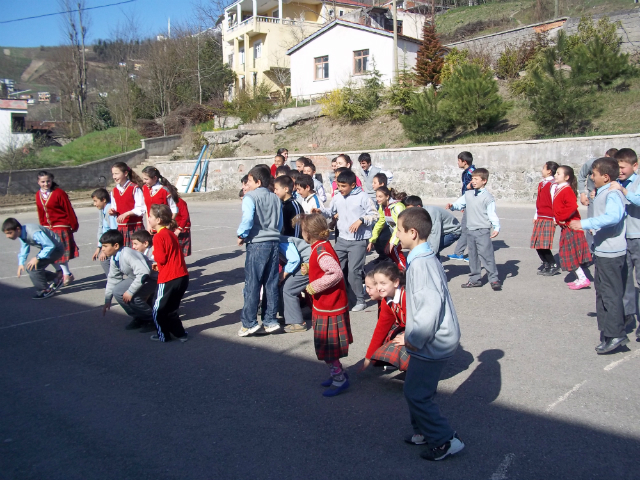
{"x": 56, "y": 213}
{"x": 544, "y": 227}
{"x": 184, "y": 227}
{"x": 574, "y": 250}
{"x": 158, "y": 191}
{"x": 330, "y": 315}
{"x": 127, "y": 201}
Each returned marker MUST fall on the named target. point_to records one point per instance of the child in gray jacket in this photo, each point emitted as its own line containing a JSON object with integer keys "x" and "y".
{"x": 431, "y": 337}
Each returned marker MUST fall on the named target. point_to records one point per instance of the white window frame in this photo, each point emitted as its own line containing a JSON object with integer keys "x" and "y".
{"x": 324, "y": 69}
{"x": 257, "y": 49}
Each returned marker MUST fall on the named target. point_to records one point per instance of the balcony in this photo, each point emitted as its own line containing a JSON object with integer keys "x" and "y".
{"x": 261, "y": 24}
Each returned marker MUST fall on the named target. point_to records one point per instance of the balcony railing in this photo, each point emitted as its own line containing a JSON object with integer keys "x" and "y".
{"x": 271, "y": 20}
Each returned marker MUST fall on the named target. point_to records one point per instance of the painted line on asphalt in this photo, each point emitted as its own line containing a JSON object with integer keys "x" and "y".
{"x": 215, "y": 248}
{"x": 54, "y": 318}
{"x": 565, "y": 396}
{"x": 501, "y": 471}
{"x": 74, "y": 268}
{"x": 613, "y": 365}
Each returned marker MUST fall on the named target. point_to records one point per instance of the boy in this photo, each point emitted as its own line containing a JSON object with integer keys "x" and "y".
{"x": 379, "y": 180}
{"x": 334, "y": 167}
{"x": 102, "y": 201}
{"x": 369, "y": 173}
{"x": 465, "y": 161}
{"x": 356, "y": 217}
{"x": 310, "y": 169}
{"x": 142, "y": 241}
{"x": 133, "y": 292}
{"x": 283, "y": 170}
{"x": 445, "y": 228}
{"x": 610, "y": 253}
{"x": 278, "y": 161}
{"x": 293, "y": 281}
{"x": 431, "y": 337}
{"x": 51, "y": 249}
{"x": 260, "y": 231}
{"x": 480, "y": 211}
{"x": 283, "y": 186}
{"x": 306, "y": 194}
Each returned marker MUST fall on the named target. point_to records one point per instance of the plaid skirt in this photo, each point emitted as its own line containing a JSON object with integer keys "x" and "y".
{"x": 184, "y": 240}
{"x": 543, "y": 232}
{"x": 391, "y": 353}
{"x": 70, "y": 247}
{"x": 127, "y": 230}
{"x": 331, "y": 336}
{"x": 574, "y": 249}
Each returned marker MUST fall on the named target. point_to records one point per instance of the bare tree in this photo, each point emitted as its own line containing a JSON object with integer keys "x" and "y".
{"x": 13, "y": 154}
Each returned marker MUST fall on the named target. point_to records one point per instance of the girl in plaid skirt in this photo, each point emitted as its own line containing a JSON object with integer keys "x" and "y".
{"x": 184, "y": 227}
{"x": 574, "y": 250}
{"x": 544, "y": 227}
{"x": 127, "y": 201}
{"x": 331, "y": 326}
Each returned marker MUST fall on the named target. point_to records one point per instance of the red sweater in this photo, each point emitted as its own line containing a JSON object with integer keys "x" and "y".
{"x": 56, "y": 211}
{"x": 565, "y": 205}
{"x": 158, "y": 198}
{"x": 182, "y": 218}
{"x": 273, "y": 170}
{"x": 389, "y": 315}
{"x": 126, "y": 202}
{"x": 333, "y": 301}
{"x": 168, "y": 255}
{"x": 544, "y": 203}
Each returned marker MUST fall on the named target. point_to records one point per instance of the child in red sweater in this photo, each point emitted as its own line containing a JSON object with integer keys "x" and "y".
{"x": 184, "y": 227}
{"x": 544, "y": 227}
{"x": 173, "y": 277}
{"x": 157, "y": 190}
{"x": 127, "y": 201}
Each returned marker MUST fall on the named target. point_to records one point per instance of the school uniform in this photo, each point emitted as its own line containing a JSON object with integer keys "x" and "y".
{"x": 106, "y": 222}
{"x": 384, "y": 233}
{"x": 291, "y": 208}
{"x": 368, "y": 180}
{"x": 51, "y": 250}
{"x": 574, "y": 250}
{"x": 462, "y": 242}
{"x": 586, "y": 186}
{"x": 445, "y": 228}
{"x": 544, "y": 229}
{"x": 158, "y": 195}
{"x": 296, "y": 252}
{"x": 632, "y": 185}
{"x": 386, "y": 351}
{"x": 184, "y": 227}
{"x": 128, "y": 198}
{"x": 57, "y": 214}
{"x": 311, "y": 202}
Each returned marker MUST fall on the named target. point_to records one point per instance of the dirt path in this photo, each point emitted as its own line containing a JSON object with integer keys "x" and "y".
{"x": 31, "y": 69}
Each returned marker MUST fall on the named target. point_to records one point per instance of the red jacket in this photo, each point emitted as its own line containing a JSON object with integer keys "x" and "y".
{"x": 389, "y": 315}
{"x": 126, "y": 202}
{"x": 159, "y": 198}
{"x": 168, "y": 255}
{"x": 544, "y": 203}
{"x": 333, "y": 301}
{"x": 182, "y": 218}
{"x": 273, "y": 170}
{"x": 56, "y": 211}
{"x": 565, "y": 205}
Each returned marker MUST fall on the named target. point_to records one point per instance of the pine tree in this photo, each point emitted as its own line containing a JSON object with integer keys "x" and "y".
{"x": 430, "y": 56}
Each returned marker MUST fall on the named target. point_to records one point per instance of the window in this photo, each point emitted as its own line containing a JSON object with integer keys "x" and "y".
{"x": 241, "y": 56}
{"x": 360, "y": 61}
{"x": 275, "y": 14}
{"x": 340, "y": 12}
{"x": 231, "y": 60}
{"x": 257, "y": 49}
{"x": 322, "y": 67}
{"x": 331, "y": 12}
{"x": 17, "y": 123}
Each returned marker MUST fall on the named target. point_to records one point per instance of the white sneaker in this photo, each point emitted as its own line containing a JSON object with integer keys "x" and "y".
{"x": 358, "y": 307}
{"x": 272, "y": 328}
{"x": 243, "y": 332}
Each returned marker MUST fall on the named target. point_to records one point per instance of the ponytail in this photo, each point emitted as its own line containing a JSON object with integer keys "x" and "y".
{"x": 163, "y": 214}
{"x": 572, "y": 180}
{"x": 552, "y": 167}
{"x": 153, "y": 172}
{"x": 399, "y": 196}
{"x": 133, "y": 176}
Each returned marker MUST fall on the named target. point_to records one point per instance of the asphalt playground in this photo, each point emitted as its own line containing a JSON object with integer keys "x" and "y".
{"x": 82, "y": 398}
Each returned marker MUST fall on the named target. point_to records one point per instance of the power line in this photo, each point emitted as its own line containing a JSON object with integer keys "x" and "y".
{"x": 68, "y": 11}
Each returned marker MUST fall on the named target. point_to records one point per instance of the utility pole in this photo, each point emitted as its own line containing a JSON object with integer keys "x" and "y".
{"x": 395, "y": 42}
{"x": 557, "y": 9}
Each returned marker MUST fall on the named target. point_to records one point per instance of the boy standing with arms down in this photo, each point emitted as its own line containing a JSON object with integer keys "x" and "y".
{"x": 465, "y": 161}
{"x": 480, "y": 211}
{"x": 431, "y": 337}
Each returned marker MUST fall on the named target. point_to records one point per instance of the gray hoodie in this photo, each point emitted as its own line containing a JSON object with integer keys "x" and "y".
{"x": 442, "y": 223}
{"x": 354, "y": 206}
{"x": 132, "y": 264}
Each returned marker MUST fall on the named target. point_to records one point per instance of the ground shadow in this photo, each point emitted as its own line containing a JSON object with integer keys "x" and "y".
{"x": 508, "y": 269}
{"x": 499, "y": 244}
{"x": 220, "y": 257}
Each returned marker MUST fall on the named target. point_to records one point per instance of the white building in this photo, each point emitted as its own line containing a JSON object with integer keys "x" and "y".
{"x": 343, "y": 51}
{"x": 12, "y": 124}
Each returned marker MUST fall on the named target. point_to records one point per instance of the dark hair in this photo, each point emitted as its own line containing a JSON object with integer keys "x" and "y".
{"x": 142, "y": 236}
{"x": 101, "y": 194}
{"x": 310, "y": 165}
{"x": 339, "y": 170}
{"x": 10, "y": 225}
{"x": 346, "y": 177}
{"x": 280, "y": 156}
{"x": 131, "y": 175}
{"x": 314, "y": 224}
{"x": 305, "y": 181}
{"x": 626, "y": 155}
{"x": 611, "y": 152}
{"x": 607, "y": 166}
{"x": 334, "y": 160}
{"x": 259, "y": 174}
{"x": 244, "y": 179}
{"x": 413, "y": 201}
{"x": 305, "y": 161}
{"x": 572, "y": 181}
{"x": 153, "y": 172}
{"x": 552, "y": 166}
{"x": 281, "y": 151}
{"x": 112, "y": 237}
{"x": 483, "y": 173}
{"x": 294, "y": 174}
{"x": 283, "y": 170}
{"x": 418, "y": 219}
{"x": 391, "y": 271}
{"x": 347, "y": 159}
{"x": 44, "y": 173}
{"x": 364, "y": 157}
{"x": 285, "y": 182}
{"x": 382, "y": 178}
{"x": 163, "y": 213}
{"x": 399, "y": 196}
{"x": 370, "y": 274}
{"x": 466, "y": 157}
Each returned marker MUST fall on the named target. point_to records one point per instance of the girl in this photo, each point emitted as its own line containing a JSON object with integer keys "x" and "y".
{"x": 384, "y": 232}
{"x": 158, "y": 191}
{"x": 56, "y": 213}
{"x": 343, "y": 161}
{"x": 173, "y": 277}
{"x": 574, "y": 250}
{"x": 184, "y": 227}
{"x": 127, "y": 200}
{"x": 285, "y": 153}
{"x": 543, "y": 227}
{"x": 331, "y": 326}
{"x": 387, "y": 343}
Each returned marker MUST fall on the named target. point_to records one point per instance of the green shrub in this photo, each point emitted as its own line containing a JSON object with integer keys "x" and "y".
{"x": 400, "y": 93}
{"x": 250, "y": 105}
{"x": 514, "y": 59}
{"x": 428, "y": 122}
{"x": 601, "y": 65}
{"x": 453, "y": 59}
{"x": 353, "y": 104}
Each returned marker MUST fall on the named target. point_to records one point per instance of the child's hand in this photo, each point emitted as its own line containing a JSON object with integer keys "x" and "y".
{"x": 107, "y": 306}
{"x": 365, "y": 364}
{"x": 96, "y": 254}
{"x": 369, "y": 247}
{"x": 102, "y": 257}
{"x": 304, "y": 269}
{"x": 126, "y": 297}
{"x": 33, "y": 263}
{"x": 355, "y": 226}
{"x": 20, "y": 270}
{"x": 448, "y": 206}
{"x": 122, "y": 218}
{"x": 408, "y": 345}
{"x": 592, "y": 195}
{"x": 495, "y": 233}
{"x": 240, "y": 241}
{"x": 154, "y": 267}
{"x": 112, "y": 212}
{"x": 575, "y": 225}
{"x": 283, "y": 276}
{"x": 399, "y": 340}
{"x": 584, "y": 200}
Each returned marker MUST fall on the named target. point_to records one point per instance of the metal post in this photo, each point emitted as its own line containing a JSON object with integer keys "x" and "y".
{"x": 395, "y": 41}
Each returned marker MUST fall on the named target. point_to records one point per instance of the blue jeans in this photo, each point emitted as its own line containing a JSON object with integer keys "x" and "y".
{"x": 447, "y": 240}
{"x": 260, "y": 268}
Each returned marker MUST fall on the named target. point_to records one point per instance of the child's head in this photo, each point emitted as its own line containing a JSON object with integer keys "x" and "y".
{"x": 100, "y": 198}
{"x": 11, "y": 228}
{"x": 309, "y": 169}
{"x": 549, "y": 169}
{"x": 388, "y": 278}
{"x": 112, "y": 241}
{"x": 334, "y": 163}
{"x": 141, "y": 240}
{"x": 304, "y": 185}
{"x": 365, "y": 161}
{"x": 611, "y": 152}
{"x": 479, "y": 178}
{"x": 605, "y": 170}
{"x": 346, "y": 182}
{"x": 414, "y": 227}
{"x": 300, "y": 163}
{"x": 343, "y": 160}
{"x": 370, "y": 286}
{"x": 413, "y": 201}
{"x": 151, "y": 176}
{"x": 45, "y": 180}
{"x": 628, "y": 162}
{"x": 278, "y": 160}
{"x": 384, "y": 195}
{"x": 565, "y": 174}
{"x": 258, "y": 177}
{"x": 283, "y": 187}
{"x": 465, "y": 160}
{"x": 379, "y": 180}
{"x": 283, "y": 170}
{"x": 284, "y": 153}
{"x": 160, "y": 216}
{"x": 121, "y": 173}
{"x": 314, "y": 227}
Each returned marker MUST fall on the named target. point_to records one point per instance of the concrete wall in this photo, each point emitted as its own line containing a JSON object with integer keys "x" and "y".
{"x": 629, "y": 31}
{"x": 432, "y": 172}
{"x": 161, "y": 145}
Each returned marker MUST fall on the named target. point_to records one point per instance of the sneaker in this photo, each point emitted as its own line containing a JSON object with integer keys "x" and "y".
{"x": 272, "y": 328}
{"x": 134, "y": 324}
{"x": 542, "y": 269}
{"x": 57, "y": 283}
{"x": 183, "y": 338}
{"x": 453, "y": 256}
{"x": 358, "y": 307}
{"x": 471, "y": 284}
{"x": 553, "y": 270}
{"x": 496, "y": 286}
{"x": 415, "y": 439}
{"x": 578, "y": 285}
{"x": 46, "y": 293}
{"x": 332, "y": 391}
{"x": 68, "y": 279}
{"x": 243, "y": 332}
{"x": 450, "y": 447}
{"x": 329, "y": 381}
{"x": 295, "y": 328}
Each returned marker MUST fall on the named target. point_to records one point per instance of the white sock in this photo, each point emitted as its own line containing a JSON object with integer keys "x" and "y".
{"x": 65, "y": 269}
{"x": 581, "y": 276}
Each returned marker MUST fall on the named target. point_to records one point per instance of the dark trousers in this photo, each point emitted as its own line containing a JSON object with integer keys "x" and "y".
{"x": 462, "y": 241}
{"x": 546, "y": 256}
{"x": 165, "y": 310}
{"x": 138, "y": 307}
{"x": 420, "y": 387}
{"x": 382, "y": 241}
{"x": 610, "y": 277}
{"x": 260, "y": 268}
{"x": 633, "y": 262}
{"x": 40, "y": 276}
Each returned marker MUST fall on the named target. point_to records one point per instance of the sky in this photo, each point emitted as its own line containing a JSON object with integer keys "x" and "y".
{"x": 151, "y": 14}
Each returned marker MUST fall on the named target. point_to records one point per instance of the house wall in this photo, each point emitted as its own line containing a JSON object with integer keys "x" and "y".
{"x": 412, "y": 24}
{"x": 8, "y": 138}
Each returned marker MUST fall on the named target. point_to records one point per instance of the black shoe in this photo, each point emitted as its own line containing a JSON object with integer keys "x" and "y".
{"x": 471, "y": 284}
{"x": 543, "y": 268}
{"x": 134, "y": 324}
{"x": 46, "y": 293}
{"x": 497, "y": 286}
{"x": 440, "y": 453}
{"x": 553, "y": 270}
{"x": 611, "y": 344}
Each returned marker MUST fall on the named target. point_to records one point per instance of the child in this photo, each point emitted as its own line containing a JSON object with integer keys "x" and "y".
{"x": 284, "y": 153}
{"x": 106, "y": 222}
{"x": 300, "y": 163}
{"x": 173, "y": 276}
{"x": 51, "y": 249}
{"x": 278, "y": 161}
{"x": 243, "y": 190}
{"x": 331, "y": 326}
{"x": 344, "y": 161}
{"x": 260, "y": 229}
{"x": 142, "y": 241}
{"x": 158, "y": 191}
{"x": 293, "y": 282}
{"x": 57, "y": 214}
{"x": 127, "y": 200}
{"x": 283, "y": 186}
{"x": 306, "y": 194}
{"x": 332, "y": 173}
{"x": 390, "y": 206}
{"x": 480, "y": 210}
{"x": 610, "y": 249}
{"x": 183, "y": 220}
{"x": 379, "y": 180}
{"x": 356, "y": 217}
{"x": 465, "y": 161}
{"x": 573, "y": 250}
{"x": 445, "y": 227}
{"x": 431, "y": 337}
{"x": 310, "y": 169}
{"x": 369, "y": 173}
{"x": 283, "y": 170}
{"x": 543, "y": 224}
{"x": 133, "y": 292}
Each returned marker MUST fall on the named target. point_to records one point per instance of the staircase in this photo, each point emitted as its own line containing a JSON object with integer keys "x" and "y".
{"x": 179, "y": 153}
